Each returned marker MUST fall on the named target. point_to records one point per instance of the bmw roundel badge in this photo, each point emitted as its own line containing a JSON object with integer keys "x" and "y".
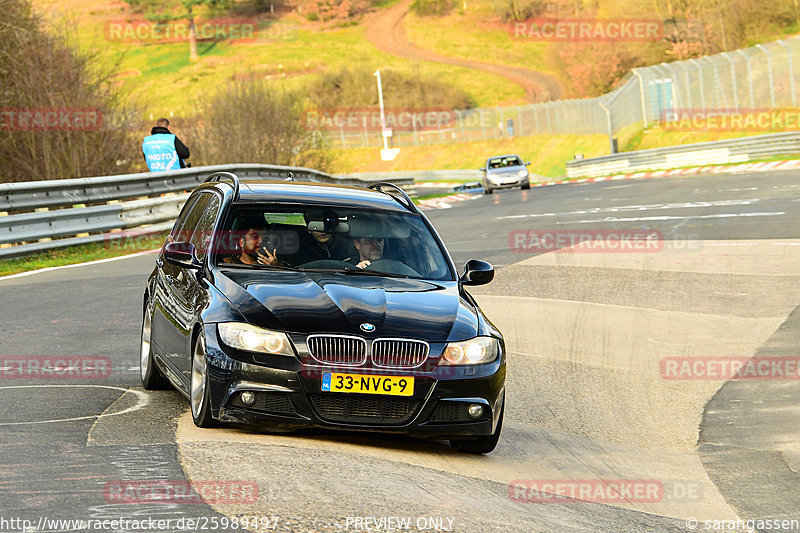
{"x": 366, "y": 326}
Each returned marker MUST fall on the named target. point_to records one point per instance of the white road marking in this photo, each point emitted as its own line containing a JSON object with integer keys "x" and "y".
{"x": 50, "y": 269}
{"x": 651, "y": 219}
{"x": 646, "y": 207}
{"x": 141, "y": 401}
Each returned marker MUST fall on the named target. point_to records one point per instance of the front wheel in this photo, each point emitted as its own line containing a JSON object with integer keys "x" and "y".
{"x": 526, "y": 186}
{"x": 481, "y": 445}
{"x": 199, "y": 394}
{"x": 487, "y": 189}
{"x": 152, "y": 378}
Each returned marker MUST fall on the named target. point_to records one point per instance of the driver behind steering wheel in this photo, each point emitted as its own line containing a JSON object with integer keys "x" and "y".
{"x": 369, "y": 249}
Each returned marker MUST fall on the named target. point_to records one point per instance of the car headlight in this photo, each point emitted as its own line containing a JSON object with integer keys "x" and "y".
{"x": 254, "y": 339}
{"x": 523, "y": 173}
{"x": 475, "y": 351}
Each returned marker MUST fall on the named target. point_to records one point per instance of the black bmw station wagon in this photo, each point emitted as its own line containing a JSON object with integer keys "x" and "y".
{"x": 299, "y": 304}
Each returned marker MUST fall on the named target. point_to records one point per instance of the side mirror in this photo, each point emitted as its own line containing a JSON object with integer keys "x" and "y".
{"x": 181, "y": 254}
{"x": 527, "y": 163}
{"x": 482, "y": 169}
{"x": 477, "y": 272}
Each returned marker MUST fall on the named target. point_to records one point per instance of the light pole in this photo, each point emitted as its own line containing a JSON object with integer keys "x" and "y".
{"x": 387, "y": 154}
{"x": 377, "y": 73}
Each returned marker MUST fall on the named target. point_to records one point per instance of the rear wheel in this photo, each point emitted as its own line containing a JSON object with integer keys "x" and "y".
{"x": 152, "y": 378}
{"x": 199, "y": 393}
{"x": 481, "y": 445}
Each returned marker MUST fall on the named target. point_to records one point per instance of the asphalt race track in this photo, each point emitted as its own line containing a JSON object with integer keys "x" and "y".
{"x": 590, "y": 396}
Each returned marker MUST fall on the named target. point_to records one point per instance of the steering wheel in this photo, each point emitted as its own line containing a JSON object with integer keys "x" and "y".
{"x": 391, "y": 266}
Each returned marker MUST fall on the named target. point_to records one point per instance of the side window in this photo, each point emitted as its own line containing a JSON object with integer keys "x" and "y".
{"x": 201, "y": 236}
{"x": 177, "y": 234}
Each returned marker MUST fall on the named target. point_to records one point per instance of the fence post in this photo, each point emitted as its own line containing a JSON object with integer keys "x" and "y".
{"x": 717, "y": 80}
{"x": 769, "y": 70}
{"x": 688, "y": 85}
{"x": 791, "y": 70}
{"x": 733, "y": 77}
{"x": 702, "y": 85}
{"x": 641, "y": 95}
{"x": 749, "y": 78}
{"x": 610, "y": 127}
{"x": 535, "y": 118}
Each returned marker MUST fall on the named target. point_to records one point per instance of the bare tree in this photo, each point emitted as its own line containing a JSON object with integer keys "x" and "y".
{"x": 253, "y": 122}
{"x": 42, "y": 77}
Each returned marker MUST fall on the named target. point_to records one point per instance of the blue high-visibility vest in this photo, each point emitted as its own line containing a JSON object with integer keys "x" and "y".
{"x": 159, "y": 152}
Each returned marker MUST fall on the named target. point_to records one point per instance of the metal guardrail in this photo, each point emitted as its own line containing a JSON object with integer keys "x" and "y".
{"x": 420, "y": 175}
{"x": 62, "y": 217}
{"x": 707, "y": 153}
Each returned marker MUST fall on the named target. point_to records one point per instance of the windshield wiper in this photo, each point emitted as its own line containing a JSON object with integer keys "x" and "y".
{"x": 361, "y": 271}
{"x": 262, "y": 267}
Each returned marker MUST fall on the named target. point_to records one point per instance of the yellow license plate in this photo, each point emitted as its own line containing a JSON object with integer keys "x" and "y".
{"x": 388, "y": 385}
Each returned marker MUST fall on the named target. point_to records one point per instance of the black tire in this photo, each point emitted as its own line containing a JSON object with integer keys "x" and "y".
{"x": 526, "y": 186}
{"x": 487, "y": 190}
{"x": 198, "y": 390}
{"x": 152, "y": 378}
{"x": 481, "y": 445}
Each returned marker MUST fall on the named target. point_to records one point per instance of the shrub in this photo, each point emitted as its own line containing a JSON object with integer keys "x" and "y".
{"x": 356, "y": 87}
{"x": 254, "y": 122}
{"x": 432, "y": 7}
{"x": 40, "y": 71}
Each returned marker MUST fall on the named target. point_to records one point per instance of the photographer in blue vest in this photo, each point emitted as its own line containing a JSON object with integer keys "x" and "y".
{"x": 162, "y": 150}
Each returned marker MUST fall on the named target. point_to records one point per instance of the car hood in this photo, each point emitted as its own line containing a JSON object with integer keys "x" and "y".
{"x": 313, "y": 302}
{"x": 505, "y": 171}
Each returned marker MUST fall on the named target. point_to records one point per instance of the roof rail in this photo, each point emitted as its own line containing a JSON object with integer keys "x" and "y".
{"x": 403, "y": 198}
{"x": 229, "y": 175}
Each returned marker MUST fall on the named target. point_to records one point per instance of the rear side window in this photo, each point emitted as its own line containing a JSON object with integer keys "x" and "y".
{"x": 180, "y": 223}
{"x": 201, "y": 235}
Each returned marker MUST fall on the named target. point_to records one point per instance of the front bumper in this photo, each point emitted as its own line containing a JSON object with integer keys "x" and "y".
{"x": 499, "y": 182}
{"x": 288, "y": 394}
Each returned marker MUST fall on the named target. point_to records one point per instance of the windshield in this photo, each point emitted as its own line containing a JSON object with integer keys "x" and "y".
{"x": 508, "y": 161}
{"x": 350, "y": 240}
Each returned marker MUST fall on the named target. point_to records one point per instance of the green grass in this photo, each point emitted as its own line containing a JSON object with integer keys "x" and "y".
{"x": 168, "y": 84}
{"x": 548, "y": 154}
{"x": 476, "y": 34}
{"x": 81, "y": 254}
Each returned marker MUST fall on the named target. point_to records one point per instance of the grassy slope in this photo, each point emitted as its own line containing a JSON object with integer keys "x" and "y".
{"x": 488, "y": 37}
{"x": 168, "y": 84}
{"x": 547, "y": 154}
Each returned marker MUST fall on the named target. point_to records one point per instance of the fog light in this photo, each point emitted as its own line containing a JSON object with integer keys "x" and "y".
{"x": 475, "y": 410}
{"x": 248, "y": 398}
